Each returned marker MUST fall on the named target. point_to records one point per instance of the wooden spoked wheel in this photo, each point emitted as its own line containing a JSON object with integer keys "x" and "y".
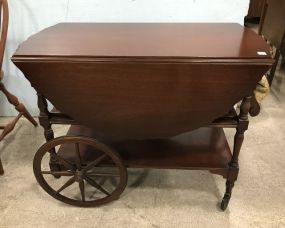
{"x": 85, "y": 180}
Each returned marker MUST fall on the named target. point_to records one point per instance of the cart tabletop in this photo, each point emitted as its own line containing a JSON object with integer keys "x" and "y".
{"x": 142, "y": 81}
{"x": 157, "y": 40}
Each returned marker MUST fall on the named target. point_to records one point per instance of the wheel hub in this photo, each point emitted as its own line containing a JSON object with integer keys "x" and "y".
{"x": 79, "y": 175}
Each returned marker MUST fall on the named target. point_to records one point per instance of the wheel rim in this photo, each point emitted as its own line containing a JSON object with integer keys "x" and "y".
{"x": 79, "y": 174}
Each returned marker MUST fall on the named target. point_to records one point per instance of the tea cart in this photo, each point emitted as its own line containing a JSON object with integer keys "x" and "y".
{"x": 142, "y": 96}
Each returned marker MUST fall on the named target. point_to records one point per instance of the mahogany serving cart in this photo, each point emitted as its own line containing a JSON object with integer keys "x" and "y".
{"x": 139, "y": 95}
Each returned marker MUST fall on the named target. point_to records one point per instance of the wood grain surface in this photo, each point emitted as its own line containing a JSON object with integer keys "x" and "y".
{"x": 197, "y": 40}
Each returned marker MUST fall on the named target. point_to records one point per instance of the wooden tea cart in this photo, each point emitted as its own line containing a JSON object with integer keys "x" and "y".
{"x": 139, "y": 95}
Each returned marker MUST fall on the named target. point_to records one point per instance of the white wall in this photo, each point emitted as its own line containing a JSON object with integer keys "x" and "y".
{"x": 30, "y": 16}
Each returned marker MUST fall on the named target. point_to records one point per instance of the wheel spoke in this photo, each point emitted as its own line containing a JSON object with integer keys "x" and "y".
{"x": 102, "y": 175}
{"x": 66, "y": 163}
{"x": 59, "y": 173}
{"x": 82, "y": 190}
{"x": 77, "y": 157}
{"x": 67, "y": 184}
{"x": 95, "y": 162}
{"x": 97, "y": 186}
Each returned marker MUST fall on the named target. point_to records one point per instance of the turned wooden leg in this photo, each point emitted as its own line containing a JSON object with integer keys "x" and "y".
{"x": 18, "y": 106}
{"x": 238, "y": 140}
{"x": 9, "y": 127}
{"x": 22, "y": 112}
{"x": 53, "y": 162}
{"x": 22, "y": 109}
{"x": 233, "y": 169}
{"x": 1, "y": 168}
{"x": 6, "y": 130}
{"x": 227, "y": 195}
{"x": 48, "y": 132}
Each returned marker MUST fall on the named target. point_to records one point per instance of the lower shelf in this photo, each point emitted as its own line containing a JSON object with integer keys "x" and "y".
{"x": 205, "y": 149}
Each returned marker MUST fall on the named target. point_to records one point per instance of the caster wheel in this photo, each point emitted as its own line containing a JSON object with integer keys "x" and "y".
{"x": 91, "y": 173}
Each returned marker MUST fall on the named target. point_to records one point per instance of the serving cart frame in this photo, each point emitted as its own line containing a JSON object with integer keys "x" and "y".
{"x": 146, "y": 95}
{"x": 216, "y": 159}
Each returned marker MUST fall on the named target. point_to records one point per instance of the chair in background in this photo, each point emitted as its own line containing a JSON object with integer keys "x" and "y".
{"x": 272, "y": 28}
{"x": 4, "y": 18}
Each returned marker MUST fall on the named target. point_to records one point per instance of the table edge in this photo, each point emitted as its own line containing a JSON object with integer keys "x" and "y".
{"x": 74, "y": 59}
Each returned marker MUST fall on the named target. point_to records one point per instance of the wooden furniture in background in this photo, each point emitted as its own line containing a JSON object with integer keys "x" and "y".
{"x": 255, "y": 9}
{"x": 4, "y": 20}
{"x": 140, "y": 95}
{"x": 272, "y": 28}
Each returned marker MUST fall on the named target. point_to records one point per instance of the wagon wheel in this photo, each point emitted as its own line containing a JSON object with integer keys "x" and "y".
{"x": 83, "y": 182}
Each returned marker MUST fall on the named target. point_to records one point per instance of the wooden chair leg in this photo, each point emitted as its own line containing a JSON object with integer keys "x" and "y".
{"x": 18, "y": 106}
{"x": 6, "y": 130}
{"x": 22, "y": 109}
{"x": 9, "y": 127}
{"x": 1, "y": 168}
{"x": 22, "y": 112}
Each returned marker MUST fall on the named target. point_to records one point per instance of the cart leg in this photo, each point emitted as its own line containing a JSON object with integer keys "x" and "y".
{"x": 48, "y": 132}
{"x": 238, "y": 140}
{"x": 53, "y": 162}
{"x": 232, "y": 177}
{"x": 227, "y": 196}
